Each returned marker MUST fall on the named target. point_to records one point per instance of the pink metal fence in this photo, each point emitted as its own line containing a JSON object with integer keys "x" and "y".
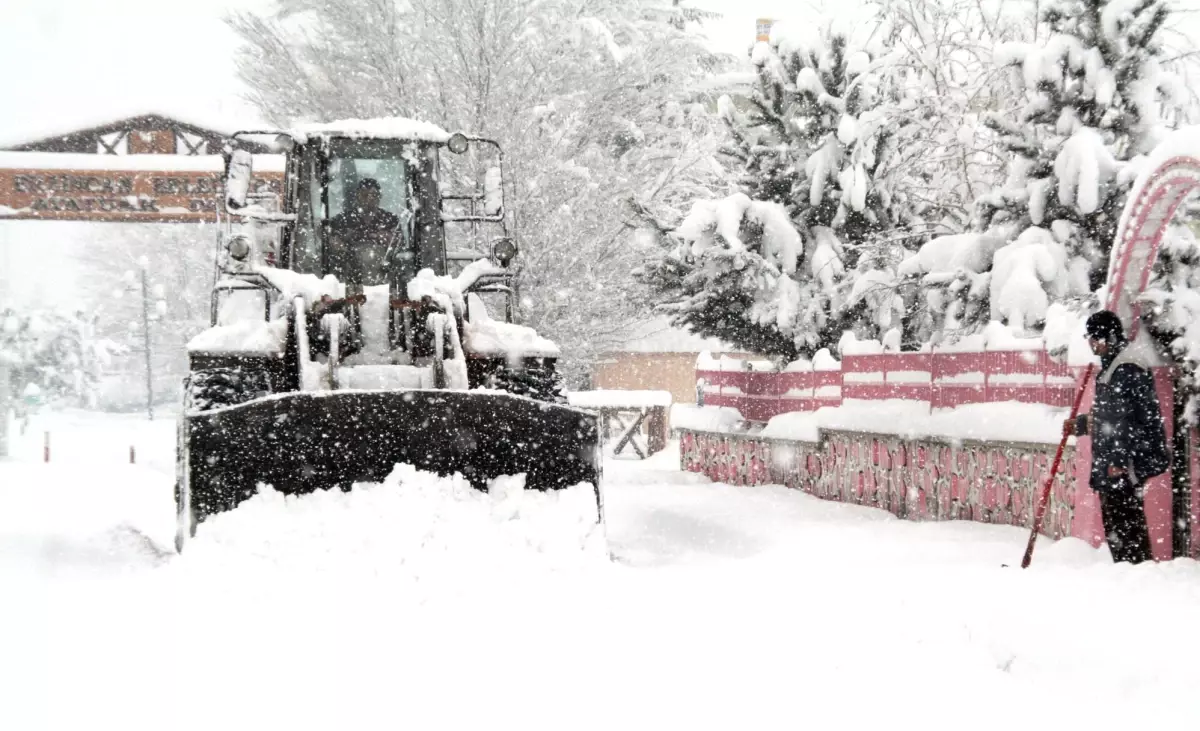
{"x": 943, "y": 379}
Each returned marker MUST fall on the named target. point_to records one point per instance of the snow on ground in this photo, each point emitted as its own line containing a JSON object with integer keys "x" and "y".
{"x": 418, "y": 604}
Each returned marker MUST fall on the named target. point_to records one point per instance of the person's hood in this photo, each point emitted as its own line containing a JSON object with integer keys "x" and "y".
{"x": 1140, "y": 353}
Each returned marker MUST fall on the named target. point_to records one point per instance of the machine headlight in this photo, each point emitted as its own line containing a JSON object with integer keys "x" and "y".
{"x": 504, "y": 251}
{"x": 238, "y": 247}
{"x": 458, "y": 143}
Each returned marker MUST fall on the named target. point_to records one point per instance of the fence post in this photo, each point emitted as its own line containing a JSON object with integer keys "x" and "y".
{"x": 46, "y": 447}
{"x": 987, "y": 375}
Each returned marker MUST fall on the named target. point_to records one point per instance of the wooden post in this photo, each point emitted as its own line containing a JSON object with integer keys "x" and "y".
{"x": 656, "y": 425}
{"x": 132, "y": 458}
{"x": 46, "y": 447}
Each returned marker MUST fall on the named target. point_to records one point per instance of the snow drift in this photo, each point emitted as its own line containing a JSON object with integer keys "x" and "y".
{"x": 414, "y": 524}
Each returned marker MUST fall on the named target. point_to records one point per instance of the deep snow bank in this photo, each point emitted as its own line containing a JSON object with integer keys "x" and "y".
{"x": 413, "y": 523}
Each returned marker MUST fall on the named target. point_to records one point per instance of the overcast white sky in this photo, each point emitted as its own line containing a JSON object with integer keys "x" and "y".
{"x": 72, "y": 61}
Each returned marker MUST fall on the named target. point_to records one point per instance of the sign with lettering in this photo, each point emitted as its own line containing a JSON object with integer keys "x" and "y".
{"x": 118, "y": 195}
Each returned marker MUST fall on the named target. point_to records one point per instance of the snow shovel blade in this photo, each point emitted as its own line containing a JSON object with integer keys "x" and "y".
{"x": 301, "y": 442}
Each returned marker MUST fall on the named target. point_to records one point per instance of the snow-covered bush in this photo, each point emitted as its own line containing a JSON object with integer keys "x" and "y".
{"x": 953, "y": 273}
{"x": 1096, "y": 97}
{"x": 57, "y": 355}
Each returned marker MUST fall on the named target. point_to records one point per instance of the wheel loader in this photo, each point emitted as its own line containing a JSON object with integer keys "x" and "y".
{"x": 363, "y": 317}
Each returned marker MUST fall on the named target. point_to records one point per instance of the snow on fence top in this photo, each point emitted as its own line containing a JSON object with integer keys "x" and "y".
{"x": 823, "y": 360}
{"x": 393, "y": 128}
{"x": 706, "y": 362}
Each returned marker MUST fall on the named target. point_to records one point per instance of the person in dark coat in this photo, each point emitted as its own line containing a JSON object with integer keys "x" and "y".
{"x": 1129, "y": 442}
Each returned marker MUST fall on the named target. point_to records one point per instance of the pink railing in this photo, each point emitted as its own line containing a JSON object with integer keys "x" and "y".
{"x": 943, "y": 379}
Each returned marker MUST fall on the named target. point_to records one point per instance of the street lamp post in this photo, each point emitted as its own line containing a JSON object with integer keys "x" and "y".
{"x": 146, "y": 347}
{"x": 5, "y": 405}
{"x": 143, "y": 288}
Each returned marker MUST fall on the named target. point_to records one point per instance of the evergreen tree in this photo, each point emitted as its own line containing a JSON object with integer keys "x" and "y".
{"x": 799, "y": 254}
{"x": 1096, "y": 98}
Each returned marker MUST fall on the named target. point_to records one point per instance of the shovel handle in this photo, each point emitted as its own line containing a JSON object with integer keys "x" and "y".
{"x": 1040, "y": 512}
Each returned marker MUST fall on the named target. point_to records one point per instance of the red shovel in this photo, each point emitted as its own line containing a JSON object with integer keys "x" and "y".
{"x": 1040, "y": 513}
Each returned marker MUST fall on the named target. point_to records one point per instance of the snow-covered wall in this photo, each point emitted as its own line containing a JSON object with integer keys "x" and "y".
{"x": 917, "y": 479}
{"x": 982, "y": 462}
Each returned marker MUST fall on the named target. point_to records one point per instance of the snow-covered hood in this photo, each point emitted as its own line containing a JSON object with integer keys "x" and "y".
{"x": 490, "y": 337}
{"x": 258, "y": 337}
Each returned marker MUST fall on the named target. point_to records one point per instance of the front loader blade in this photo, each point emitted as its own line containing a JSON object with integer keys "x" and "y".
{"x": 301, "y": 442}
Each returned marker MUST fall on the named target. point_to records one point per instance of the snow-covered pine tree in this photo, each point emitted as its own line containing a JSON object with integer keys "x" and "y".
{"x": 1096, "y": 98}
{"x": 793, "y": 259}
{"x": 57, "y": 353}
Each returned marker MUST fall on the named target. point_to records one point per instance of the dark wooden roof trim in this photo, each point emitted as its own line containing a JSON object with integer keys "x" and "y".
{"x": 141, "y": 122}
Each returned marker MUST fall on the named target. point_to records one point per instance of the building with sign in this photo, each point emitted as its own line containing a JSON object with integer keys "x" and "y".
{"x": 147, "y": 168}
{"x": 144, "y": 134}
{"x": 66, "y": 199}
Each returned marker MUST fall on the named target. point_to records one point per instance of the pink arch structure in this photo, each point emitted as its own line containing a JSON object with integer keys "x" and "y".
{"x": 1168, "y": 177}
{"x": 1171, "y": 173}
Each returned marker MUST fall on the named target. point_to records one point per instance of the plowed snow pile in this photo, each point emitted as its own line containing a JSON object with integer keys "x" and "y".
{"x": 414, "y": 524}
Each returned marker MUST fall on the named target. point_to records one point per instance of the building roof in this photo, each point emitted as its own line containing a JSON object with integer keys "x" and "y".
{"x": 49, "y": 136}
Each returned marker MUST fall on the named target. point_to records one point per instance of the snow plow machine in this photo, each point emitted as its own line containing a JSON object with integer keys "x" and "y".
{"x": 363, "y": 317}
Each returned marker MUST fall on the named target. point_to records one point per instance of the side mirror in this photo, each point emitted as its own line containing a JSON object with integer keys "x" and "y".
{"x": 238, "y": 173}
{"x": 493, "y": 192}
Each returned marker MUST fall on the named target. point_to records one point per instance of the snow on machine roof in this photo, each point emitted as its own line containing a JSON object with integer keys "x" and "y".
{"x": 395, "y": 128}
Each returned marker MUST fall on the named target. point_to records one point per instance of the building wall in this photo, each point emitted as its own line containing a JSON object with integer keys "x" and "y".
{"x": 674, "y": 372}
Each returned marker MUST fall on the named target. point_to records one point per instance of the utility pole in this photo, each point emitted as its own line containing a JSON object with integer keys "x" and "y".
{"x": 5, "y": 371}
{"x": 146, "y": 346}
{"x": 5, "y": 405}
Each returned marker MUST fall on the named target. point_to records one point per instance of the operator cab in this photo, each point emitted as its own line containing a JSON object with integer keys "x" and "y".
{"x": 368, "y": 212}
{"x": 374, "y": 209}
{"x": 373, "y": 204}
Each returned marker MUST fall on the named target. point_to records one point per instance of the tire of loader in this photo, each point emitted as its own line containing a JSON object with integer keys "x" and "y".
{"x": 535, "y": 381}
{"x": 213, "y": 388}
